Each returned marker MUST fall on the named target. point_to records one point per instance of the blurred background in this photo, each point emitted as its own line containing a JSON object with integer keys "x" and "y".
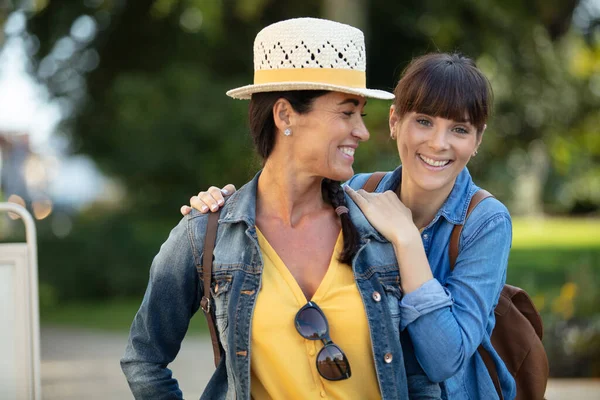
{"x": 113, "y": 113}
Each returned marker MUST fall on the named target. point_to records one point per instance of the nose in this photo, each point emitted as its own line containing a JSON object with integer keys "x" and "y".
{"x": 439, "y": 140}
{"x": 361, "y": 132}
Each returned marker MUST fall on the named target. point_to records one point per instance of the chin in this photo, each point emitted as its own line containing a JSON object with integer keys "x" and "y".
{"x": 432, "y": 185}
{"x": 340, "y": 175}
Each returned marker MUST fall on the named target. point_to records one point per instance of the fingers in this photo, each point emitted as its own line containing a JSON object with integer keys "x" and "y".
{"x": 212, "y": 199}
{"x": 228, "y": 190}
{"x": 185, "y": 210}
{"x": 357, "y": 196}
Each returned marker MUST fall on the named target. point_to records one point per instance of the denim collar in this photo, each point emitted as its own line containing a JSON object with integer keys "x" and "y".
{"x": 241, "y": 206}
{"x": 454, "y": 209}
{"x": 364, "y": 228}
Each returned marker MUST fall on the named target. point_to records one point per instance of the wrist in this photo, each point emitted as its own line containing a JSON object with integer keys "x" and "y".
{"x": 409, "y": 236}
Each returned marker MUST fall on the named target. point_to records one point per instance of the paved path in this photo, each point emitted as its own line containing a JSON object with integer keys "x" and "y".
{"x": 79, "y": 364}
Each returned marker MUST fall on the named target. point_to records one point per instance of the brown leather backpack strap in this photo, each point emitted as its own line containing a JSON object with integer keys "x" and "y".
{"x": 455, "y": 236}
{"x": 491, "y": 367}
{"x": 207, "y": 261}
{"x": 373, "y": 181}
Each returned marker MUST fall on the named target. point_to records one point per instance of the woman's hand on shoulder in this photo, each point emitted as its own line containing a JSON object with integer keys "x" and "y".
{"x": 212, "y": 199}
{"x": 387, "y": 214}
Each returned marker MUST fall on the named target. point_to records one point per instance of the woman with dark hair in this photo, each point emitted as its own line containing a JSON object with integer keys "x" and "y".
{"x": 438, "y": 118}
{"x": 304, "y": 295}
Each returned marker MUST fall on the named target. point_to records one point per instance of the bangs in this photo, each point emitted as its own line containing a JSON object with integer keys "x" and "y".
{"x": 446, "y": 86}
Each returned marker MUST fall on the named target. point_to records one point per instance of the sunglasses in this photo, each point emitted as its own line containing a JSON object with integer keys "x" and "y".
{"x": 311, "y": 324}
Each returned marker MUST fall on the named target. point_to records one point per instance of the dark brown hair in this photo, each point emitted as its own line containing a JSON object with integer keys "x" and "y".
{"x": 445, "y": 85}
{"x": 262, "y": 128}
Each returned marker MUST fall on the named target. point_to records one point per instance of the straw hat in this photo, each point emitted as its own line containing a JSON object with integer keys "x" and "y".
{"x": 309, "y": 54}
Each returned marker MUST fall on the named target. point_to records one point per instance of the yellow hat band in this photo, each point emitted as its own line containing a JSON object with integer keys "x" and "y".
{"x": 330, "y": 76}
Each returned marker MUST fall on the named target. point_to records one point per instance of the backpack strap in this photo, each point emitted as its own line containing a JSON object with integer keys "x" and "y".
{"x": 491, "y": 367}
{"x": 454, "y": 239}
{"x": 455, "y": 236}
{"x": 207, "y": 301}
{"x": 373, "y": 181}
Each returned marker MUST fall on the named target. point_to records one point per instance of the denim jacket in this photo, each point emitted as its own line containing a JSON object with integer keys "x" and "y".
{"x": 174, "y": 291}
{"x": 446, "y": 339}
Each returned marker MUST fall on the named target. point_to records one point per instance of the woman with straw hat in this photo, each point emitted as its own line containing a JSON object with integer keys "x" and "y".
{"x": 305, "y": 294}
{"x": 438, "y": 120}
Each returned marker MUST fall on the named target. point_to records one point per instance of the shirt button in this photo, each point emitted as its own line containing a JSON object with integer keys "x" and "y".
{"x": 323, "y": 394}
{"x": 425, "y": 236}
{"x": 376, "y": 296}
{"x": 311, "y": 352}
{"x": 388, "y": 358}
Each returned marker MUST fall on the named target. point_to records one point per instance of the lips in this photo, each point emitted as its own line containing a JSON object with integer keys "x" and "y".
{"x": 434, "y": 163}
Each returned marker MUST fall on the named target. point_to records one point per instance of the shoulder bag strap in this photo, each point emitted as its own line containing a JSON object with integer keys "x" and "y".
{"x": 454, "y": 238}
{"x": 373, "y": 181}
{"x": 207, "y": 300}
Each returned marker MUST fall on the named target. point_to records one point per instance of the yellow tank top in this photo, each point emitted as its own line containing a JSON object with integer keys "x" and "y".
{"x": 283, "y": 363}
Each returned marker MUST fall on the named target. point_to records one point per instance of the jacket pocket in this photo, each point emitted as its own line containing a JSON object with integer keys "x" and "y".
{"x": 221, "y": 293}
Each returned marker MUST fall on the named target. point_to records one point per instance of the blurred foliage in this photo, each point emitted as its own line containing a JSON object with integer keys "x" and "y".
{"x": 563, "y": 284}
{"x": 141, "y": 86}
{"x": 144, "y": 84}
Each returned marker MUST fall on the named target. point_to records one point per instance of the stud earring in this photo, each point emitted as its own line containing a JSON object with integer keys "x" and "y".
{"x": 287, "y": 132}
{"x": 474, "y": 153}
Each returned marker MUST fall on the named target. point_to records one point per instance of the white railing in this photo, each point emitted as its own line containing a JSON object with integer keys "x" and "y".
{"x": 19, "y": 314}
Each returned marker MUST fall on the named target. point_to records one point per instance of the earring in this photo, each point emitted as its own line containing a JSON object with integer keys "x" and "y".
{"x": 287, "y": 132}
{"x": 474, "y": 153}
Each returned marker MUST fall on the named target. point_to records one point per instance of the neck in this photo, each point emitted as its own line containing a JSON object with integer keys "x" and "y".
{"x": 423, "y": 204}
{"x": 288, "y": 194}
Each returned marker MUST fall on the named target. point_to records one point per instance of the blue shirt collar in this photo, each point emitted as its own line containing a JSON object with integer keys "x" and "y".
{"x": 454, "y": 209}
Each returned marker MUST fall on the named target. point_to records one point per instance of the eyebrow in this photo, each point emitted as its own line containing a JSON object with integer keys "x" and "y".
{"x": 352, "y": 101}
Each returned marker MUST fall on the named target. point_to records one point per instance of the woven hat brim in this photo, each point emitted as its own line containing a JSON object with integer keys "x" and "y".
{"x": 245, "y": 92}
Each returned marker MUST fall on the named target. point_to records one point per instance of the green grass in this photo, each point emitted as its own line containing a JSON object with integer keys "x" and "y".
{"x": 546, "y": 254}
{"x": 113, "y": 315}
{"x": 564, "y": 233}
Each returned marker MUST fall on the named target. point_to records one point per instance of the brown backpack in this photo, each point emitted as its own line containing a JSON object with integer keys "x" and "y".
{"x": 517, "y": 336}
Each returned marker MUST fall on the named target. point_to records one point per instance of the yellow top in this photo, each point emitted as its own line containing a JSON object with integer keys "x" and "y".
{"x": 283, "y": 363}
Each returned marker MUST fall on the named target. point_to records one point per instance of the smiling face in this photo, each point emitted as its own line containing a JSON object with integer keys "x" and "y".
{"x": 433, "y": 150}
{"x": 438, "y": 117}
{"x": 324, "y": 139}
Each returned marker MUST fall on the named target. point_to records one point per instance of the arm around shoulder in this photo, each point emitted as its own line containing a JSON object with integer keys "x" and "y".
{"x": 170, "y": 301}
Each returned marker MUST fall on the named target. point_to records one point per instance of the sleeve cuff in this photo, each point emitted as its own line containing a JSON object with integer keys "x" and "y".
{"x": 429, "y": 297}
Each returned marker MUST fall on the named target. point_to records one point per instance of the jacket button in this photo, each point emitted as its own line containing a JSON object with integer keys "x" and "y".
{"x": 376, "y": 296}
{"x": 388, "y": 358}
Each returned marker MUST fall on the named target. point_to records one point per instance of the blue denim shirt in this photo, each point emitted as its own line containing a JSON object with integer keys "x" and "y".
{"x": 174, "y": 291}
{"x": 446, "y": 338}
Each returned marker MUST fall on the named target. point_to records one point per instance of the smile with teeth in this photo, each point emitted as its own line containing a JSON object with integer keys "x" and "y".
{"x": 349, "y": 151}
{"x": 432, "y": 162}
